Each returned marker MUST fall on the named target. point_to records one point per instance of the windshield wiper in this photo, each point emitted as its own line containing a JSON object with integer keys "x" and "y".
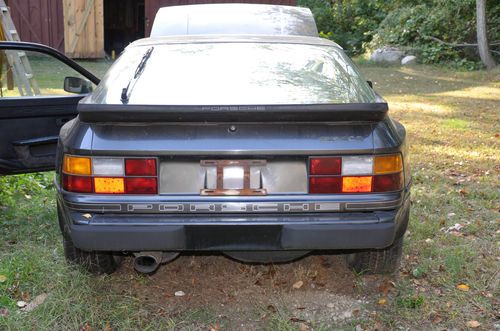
{"x": 138, "y": 72}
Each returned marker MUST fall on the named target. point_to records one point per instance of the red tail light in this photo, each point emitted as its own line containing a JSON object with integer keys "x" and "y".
{"x": 110, "y": 175}
{"x": 318, "y": 185}
{"x": 386, "y": 183}
{"x": 326, "y": 166}
{"x": 140, "y": 167}
{"x": 79, "y": 184}
{"x": 140, "y": 185}
{"x": 355, "y": 174}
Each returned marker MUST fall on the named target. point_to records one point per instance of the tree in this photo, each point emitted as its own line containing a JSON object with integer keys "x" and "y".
{"x": 482, "y": 35}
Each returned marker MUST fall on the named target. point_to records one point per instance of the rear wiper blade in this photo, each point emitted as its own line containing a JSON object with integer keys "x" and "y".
{"x": 138, "y": 72}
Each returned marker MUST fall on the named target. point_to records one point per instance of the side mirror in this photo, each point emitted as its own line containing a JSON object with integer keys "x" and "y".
{"x": 370, "y": 83}
{"x": 77, "y": 85}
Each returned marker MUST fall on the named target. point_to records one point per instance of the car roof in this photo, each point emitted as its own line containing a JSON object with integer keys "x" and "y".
{"x": 208, "y": 39}
{"x": 234, "y": 18}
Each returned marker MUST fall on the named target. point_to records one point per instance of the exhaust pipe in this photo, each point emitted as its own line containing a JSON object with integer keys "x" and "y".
{"x": 148, "y": 262}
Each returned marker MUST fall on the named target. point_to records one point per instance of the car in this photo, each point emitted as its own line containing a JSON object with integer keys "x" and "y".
{"x": 233, "y": 128}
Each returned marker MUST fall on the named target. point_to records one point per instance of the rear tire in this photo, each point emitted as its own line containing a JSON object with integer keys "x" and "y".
{"x": 377, "y": 261}
{"x": 94, "y": 262}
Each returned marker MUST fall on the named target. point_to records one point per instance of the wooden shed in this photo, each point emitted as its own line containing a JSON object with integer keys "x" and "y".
{"x": 92, "y": 28}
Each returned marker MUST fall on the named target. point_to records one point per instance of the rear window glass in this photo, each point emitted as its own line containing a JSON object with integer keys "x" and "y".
{"x": 236, "y": 74}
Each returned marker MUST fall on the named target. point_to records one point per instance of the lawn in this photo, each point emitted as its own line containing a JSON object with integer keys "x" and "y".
{"x": 448, "y": 278}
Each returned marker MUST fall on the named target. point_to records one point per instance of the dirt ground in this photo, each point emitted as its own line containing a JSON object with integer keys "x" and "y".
{"x": 314, "y": 290}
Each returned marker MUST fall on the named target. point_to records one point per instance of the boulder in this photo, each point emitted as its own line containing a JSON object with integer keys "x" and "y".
{"x": 386, "y": 54}
{"x": 409, "y": 60}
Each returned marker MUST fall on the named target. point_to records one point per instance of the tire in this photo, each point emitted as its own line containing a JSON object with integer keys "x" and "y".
{"x": 377, "y": 261}
{"x": 96, "y": 263}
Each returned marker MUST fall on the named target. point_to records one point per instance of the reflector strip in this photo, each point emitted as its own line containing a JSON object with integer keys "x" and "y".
{"x": 109, "y": 185}
{"x": 77, "y": 165}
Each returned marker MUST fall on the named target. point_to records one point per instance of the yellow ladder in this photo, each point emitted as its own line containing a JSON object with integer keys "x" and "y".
{"x": 17, "y": 60}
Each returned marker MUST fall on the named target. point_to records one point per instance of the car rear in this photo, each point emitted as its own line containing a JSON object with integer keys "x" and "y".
{"x": 243, "y": 150}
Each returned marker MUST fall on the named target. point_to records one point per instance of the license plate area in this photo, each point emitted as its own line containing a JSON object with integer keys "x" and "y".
{"x": 233, "y": 177}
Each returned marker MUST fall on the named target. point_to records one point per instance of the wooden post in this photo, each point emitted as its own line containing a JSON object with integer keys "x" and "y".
{"x": 83, "y": 28}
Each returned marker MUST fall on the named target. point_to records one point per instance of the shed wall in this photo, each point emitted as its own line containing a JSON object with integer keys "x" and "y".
{"x": 39, "y": 21}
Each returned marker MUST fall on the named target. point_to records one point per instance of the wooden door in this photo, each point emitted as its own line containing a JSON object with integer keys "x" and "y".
{"x": 83, "y": 28}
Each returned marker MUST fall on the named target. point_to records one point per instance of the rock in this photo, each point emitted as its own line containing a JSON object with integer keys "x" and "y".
{"x": 409, "y": 60}
{"x": 387, "y": 55}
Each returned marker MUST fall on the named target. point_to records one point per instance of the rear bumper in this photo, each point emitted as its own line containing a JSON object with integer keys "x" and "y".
{"x": 304, "y": 231}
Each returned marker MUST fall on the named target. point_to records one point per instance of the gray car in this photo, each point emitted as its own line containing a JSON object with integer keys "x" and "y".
{"x": 233, "y": 128}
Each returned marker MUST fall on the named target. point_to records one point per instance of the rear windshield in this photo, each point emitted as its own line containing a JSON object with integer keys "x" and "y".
{"x": 236, "y": 74}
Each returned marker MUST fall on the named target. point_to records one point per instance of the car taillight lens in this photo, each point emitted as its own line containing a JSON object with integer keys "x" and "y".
{"x": 326, "y": 166}
{"x": 79, "y": 184}
{"x": 109, "y": 175}
{"x": 355, "y": 174}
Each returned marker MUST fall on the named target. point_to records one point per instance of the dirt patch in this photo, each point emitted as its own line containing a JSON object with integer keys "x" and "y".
{"x": 315, "y": 289}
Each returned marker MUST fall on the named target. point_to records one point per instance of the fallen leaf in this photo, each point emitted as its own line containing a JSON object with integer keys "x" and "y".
{"x": 37, "y": 301}
{"x": 296, "y": 319}
{"x": 463, "y": 287}
{"x": 21, "y": 304}
{"x": 179, "y": 294}
{"x": 3, "y": 278}
{"x": 386, "y": 286}
{"x": 382, "y": 301}
{"x": 298, "y": 284}
{"x": 4, "y": 312}
{"x": 436, "y": 319}
{"x": 473, "y": 324}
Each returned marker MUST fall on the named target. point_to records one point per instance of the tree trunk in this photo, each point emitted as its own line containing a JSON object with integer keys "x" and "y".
{"x": 482, "y": 35}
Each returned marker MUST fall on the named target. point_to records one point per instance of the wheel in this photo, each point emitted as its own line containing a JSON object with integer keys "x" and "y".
{"x": 95, "y": 262}
{"x": 377, "y": 261}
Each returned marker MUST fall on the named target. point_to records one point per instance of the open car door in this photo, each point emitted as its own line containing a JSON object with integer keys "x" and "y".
{"x": 39, "y": 92}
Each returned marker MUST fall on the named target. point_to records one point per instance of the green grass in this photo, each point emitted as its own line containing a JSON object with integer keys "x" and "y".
{"x": 452, "y": 120}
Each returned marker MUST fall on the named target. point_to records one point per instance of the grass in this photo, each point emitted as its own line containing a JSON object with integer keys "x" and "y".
{"x": 452, "y": 120}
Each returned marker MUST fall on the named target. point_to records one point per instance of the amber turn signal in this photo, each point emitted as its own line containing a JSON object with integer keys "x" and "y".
{"x": 76, "y": 165}
{"x": 387, "y": 164}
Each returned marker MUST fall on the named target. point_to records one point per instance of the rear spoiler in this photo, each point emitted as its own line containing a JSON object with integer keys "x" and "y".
{"x": 98, "y": 113}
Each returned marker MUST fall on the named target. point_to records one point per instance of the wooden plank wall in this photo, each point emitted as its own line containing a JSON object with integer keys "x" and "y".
{"x": 152, "y": 6}
{"x": 83, "y": 28}
{"x": 39, "y": 21}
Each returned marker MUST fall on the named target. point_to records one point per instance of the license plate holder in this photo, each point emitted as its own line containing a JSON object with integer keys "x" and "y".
{"x": 220, "y": 165}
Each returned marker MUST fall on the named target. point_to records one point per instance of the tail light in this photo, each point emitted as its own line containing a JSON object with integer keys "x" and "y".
{"x": 110, "y": 175}
{"x": 355, "y": 174}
